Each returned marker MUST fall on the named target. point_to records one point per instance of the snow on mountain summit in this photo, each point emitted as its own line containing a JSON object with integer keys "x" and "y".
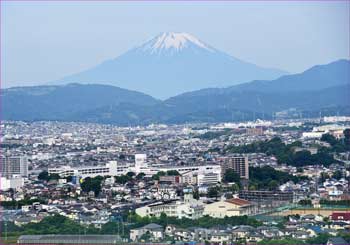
{"x": 173, "y": 63}
{"x": 172, "y": 41}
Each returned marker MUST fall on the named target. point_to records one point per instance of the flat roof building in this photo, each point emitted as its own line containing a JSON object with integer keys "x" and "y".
{"x": 239, "y": 164}
{"x": 110, "y": 169}
{"x": 13, "y": 165}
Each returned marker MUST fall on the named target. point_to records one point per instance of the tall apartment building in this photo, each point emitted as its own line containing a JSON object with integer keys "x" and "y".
{"x": 238, "y": 163}
{"x": 255, "y": 131}
{"x": 13, "y": 165}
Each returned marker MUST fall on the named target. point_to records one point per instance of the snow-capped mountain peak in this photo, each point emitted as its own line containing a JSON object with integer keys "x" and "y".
{"x": 173, "y": 41}
{"x": 173, "y": 63}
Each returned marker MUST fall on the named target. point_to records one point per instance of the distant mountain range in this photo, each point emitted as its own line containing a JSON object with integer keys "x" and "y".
{"x": 65, "y": 102}
{"x": 171, "y": 64}
{"x": 322, "y": 87}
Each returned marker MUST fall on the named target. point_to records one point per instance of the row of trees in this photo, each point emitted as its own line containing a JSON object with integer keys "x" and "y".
{"x": 340, "y": 145}
{"x": 213, "y": 135}
{"x": 58, "y": 224}
{"x": 268, "y": 178}
{"x": 45, "y": 176}
{"x": 92, "y": 184}
{"x": 167, "y": 173}
{"x": 205, "y": 221}
{"x": 285, "y": 153}
{"x": 20, "y": 203}
{"x": 335, "y": 202}
{"x": 261, "y": 178}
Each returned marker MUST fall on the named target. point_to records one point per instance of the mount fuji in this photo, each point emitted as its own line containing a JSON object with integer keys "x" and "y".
{"x": 170, "y": 64}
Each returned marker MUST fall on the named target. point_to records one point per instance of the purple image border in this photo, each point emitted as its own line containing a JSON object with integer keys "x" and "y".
{"x": 136, "y": 1}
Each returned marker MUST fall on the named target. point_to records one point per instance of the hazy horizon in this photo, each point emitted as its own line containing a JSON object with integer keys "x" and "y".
{"x": 39, "y": 46}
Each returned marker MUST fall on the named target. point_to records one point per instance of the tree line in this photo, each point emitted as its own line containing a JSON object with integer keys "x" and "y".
{"x": 285, "y": 153}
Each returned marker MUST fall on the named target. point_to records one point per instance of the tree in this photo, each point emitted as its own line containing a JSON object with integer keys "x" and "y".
{"x": 54, "y": 177}
{"x": 337, "y": 175}
{"x": 273, "y": 185}
{"x": 213, "y": 192}
{"x": 330, "y": 139}
{"x": 146, "y": 237}
{"x": 69, "y": 178}
{"x": 157, "y": 175}
{"x": 122, "y": 179}
{"x": 56, "y": 224}
{"x": 285, "y": 153}
{"x": 172, "y": 173}
{"x": 338, "y": 145}
{"x": 305, "y": 202}
{"x": 261, "y": 178}
{"x": 140, "y": 176}
{"x": 44, "y": 175}
{"x": 92, "y": 184}
{"x": 319, "y": 239}
{"x": 346, "y": 133}
{"x": 130, "y": 174}
{"x": 234, "y": 188}
{"x": 196, "y": 194}
{"x": 231, "y": 176}
{"x": 323, "y": 177}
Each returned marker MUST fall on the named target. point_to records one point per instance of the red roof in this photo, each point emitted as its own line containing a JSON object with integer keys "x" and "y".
{"x": 341, "y": 216}
{"x": 238, "y": 201}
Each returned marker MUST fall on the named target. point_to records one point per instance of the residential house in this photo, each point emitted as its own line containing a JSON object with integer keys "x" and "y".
{"x": 154, "y": 230}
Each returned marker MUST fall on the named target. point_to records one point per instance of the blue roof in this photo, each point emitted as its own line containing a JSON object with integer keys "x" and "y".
{"x": 317, "y": 229}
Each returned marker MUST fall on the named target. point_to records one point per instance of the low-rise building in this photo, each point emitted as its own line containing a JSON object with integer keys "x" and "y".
{"x": 154, "y": 231}
{"x": 230, "y": 207}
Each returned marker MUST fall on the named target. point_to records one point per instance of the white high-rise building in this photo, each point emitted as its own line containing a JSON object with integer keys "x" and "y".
{"x": 15, "y": 182}
{"x": 14, "y": 165}
{"x": 141, "y": 165}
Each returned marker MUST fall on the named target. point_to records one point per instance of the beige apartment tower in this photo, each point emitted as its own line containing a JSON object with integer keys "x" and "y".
{"x": 238, "y": 163}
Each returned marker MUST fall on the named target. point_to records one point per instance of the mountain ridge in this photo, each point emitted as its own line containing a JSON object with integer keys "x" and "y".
{"x": 168, "y": 73}
{"x": 328, "y": 75}
{"x": 109, "y": 104}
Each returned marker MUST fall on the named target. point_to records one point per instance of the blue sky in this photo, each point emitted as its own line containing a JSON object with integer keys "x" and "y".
{"x": 44, "y": 41}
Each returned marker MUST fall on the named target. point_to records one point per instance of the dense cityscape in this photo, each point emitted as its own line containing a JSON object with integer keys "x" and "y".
{"x": 206, "y": 122}
{"x": 257, "y": 182}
